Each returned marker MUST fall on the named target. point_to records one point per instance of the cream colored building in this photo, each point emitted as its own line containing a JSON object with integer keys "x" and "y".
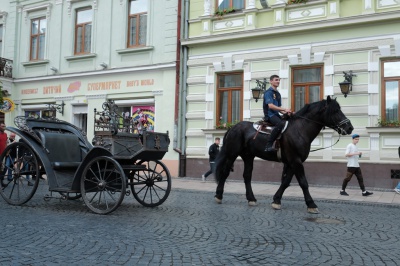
{"x": 308, "y": 45}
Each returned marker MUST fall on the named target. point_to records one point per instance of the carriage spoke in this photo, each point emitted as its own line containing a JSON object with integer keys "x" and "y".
{"x": 95, "y": 194}
{"x": 160, "y": 187}
{"x": 105, "y": 168}
{"x": 94, "y": 175}
{"x": 111, "y": 195}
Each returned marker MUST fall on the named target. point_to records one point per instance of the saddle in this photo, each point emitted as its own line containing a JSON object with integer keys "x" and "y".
{"x": 265, "y": 127}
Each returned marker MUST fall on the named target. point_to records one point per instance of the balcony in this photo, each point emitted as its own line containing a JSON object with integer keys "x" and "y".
{"x": 5, "y": 67}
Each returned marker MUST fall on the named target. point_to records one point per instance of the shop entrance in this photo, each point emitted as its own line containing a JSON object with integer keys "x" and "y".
{"x": 80, "y": 116}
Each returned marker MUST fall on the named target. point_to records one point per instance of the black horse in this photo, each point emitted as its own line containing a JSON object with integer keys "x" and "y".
{"x": 295, "y": 143}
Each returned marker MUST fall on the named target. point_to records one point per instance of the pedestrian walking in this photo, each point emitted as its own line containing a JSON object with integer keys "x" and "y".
{"x": 212, "y": 152}
{"x": 353, "y": 167}
{"x": 397, "y": 188}
{"x": 3, "y": 138}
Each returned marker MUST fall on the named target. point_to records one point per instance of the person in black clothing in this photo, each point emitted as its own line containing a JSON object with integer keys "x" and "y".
{"x": 213, "y": 152}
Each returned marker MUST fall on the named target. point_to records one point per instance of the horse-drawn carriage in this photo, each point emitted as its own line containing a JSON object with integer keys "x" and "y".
{"x": 123, "y": 159}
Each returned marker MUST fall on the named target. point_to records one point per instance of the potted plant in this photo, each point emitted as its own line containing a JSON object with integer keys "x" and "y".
{"x": 225, "y": 125}
{"x": 220, "y": 12}
{"x": 388, "y": 123}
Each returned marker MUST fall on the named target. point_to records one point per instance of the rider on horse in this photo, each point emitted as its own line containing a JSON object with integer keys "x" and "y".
{"x": 272, "y": 107}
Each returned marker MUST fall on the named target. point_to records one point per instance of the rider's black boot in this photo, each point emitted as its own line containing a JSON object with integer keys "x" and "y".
{"x": 272, "y": 138}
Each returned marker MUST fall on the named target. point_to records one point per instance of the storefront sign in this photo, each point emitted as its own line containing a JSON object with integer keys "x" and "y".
{"x": 139, "y": 82}
{"x": 52, "y": 89}
{"x": 8, "y": 105}
{"x": 108, "y": 85}
{"x": 29, "y": 91}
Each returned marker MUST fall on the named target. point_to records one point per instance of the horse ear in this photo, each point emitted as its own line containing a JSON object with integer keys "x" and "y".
{"x": 328, "y": 99}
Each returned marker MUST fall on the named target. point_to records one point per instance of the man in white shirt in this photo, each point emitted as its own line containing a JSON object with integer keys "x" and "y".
{"x": 353, "y": 168}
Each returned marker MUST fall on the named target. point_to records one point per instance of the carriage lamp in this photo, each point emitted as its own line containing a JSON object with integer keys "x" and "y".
{"x": 58, "y": 107}
{"x": 346, "y": 85}
{"x": 260, "y": 89}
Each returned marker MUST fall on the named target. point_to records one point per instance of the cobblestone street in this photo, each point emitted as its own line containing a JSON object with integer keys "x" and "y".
{"x": 191, "y": 229}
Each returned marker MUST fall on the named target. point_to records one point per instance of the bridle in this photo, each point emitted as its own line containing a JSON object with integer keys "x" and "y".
{"x": 337, "y": 128}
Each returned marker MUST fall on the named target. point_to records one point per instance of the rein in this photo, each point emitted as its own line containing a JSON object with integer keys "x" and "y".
{"x": 334, "y": 128}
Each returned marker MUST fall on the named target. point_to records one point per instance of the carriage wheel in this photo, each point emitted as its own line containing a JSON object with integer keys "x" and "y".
{"x": 151, "y": 186}
{"x": 19, "y": 173}
{"x": 103, "y": 185}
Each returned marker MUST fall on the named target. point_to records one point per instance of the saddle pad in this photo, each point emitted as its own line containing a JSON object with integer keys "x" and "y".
{"x": 267, "y": 130}
{"x": 262, "y": 129}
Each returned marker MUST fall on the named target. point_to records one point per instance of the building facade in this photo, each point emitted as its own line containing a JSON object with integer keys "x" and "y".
{"x": 76, "y": 54}
{"x": 232, "y": 43}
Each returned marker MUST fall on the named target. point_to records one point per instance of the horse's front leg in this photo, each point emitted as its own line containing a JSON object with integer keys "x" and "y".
{"x": 301, "y": 178}
{"x": 220, "y": 190}
{"x": 247, "y": 174}
{"x": 287, "y": 175}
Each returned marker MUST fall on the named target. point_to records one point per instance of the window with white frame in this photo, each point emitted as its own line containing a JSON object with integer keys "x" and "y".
{"x": 83, "y": 31}
{"x": 137, "y": 23}
{"x": 38, "y": 37}
{"x": 390, "y": 90}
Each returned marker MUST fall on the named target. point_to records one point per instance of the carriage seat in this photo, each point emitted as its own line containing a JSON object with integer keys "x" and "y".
{"x": 64, "y": 149}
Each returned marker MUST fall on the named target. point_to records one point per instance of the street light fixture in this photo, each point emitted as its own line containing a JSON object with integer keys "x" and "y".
{"x": 260, "y": 89}
{"x": 347, "y": 84}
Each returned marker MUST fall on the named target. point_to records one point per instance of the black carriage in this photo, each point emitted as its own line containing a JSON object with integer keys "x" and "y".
{"x": 123, "y": 158}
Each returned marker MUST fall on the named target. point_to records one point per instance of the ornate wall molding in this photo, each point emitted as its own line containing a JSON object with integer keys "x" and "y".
{"x": 26, "y": 10}
{"x": 4, "y": 15}
{"x": 96, "y": 96}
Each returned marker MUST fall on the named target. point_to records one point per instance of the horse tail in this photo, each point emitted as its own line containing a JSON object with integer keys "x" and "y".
{"x": 221, "y": 160}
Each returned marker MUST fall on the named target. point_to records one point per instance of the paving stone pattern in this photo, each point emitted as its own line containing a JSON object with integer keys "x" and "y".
{"x": 191, "y": 229}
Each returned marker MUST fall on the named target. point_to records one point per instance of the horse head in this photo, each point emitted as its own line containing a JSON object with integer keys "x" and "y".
{"x": 335, "y": 119}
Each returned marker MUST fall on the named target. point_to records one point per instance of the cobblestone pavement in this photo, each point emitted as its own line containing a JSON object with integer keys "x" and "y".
{"x": 191, "y": 229}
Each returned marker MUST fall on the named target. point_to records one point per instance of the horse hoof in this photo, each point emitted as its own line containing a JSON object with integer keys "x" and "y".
{"x": 313, "y": 210}
{"x": 276, "y": 206}
{"x": 217, "y": 200}
{"x": 252, "y": 203}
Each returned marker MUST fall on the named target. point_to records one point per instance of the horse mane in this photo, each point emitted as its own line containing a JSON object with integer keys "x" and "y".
{"x": 329, "y": 108}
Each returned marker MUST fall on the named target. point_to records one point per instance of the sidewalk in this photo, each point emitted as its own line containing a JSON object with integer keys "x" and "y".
{"x": 269, "y": 189}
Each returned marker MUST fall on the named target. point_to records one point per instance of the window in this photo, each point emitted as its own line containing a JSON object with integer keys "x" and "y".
{"x": 1, "y": 39}
{"x": 226, "y": 4}
{"x": 307, "y": 84}
{"x": 390, "y": 90}
{"x": 230, "y": 97}
{"x": 83, "y": 31}
{"x": 38, "y": 34}
{"x": 137, "y": 27}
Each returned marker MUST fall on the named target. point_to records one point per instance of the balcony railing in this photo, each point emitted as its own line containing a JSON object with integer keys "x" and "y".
{"x": 5, "y": 67}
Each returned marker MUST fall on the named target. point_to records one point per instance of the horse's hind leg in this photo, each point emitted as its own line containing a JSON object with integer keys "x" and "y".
{"x": 287, "y": 175}
{"x": 247, "y": 173}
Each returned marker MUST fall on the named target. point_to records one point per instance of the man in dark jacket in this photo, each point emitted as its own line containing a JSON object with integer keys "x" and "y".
{"x": 213, "y": 152}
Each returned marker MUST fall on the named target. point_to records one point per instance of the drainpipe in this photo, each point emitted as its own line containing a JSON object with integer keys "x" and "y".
{"x": 183, "y": 92}
{"x": 177, "y": 78}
